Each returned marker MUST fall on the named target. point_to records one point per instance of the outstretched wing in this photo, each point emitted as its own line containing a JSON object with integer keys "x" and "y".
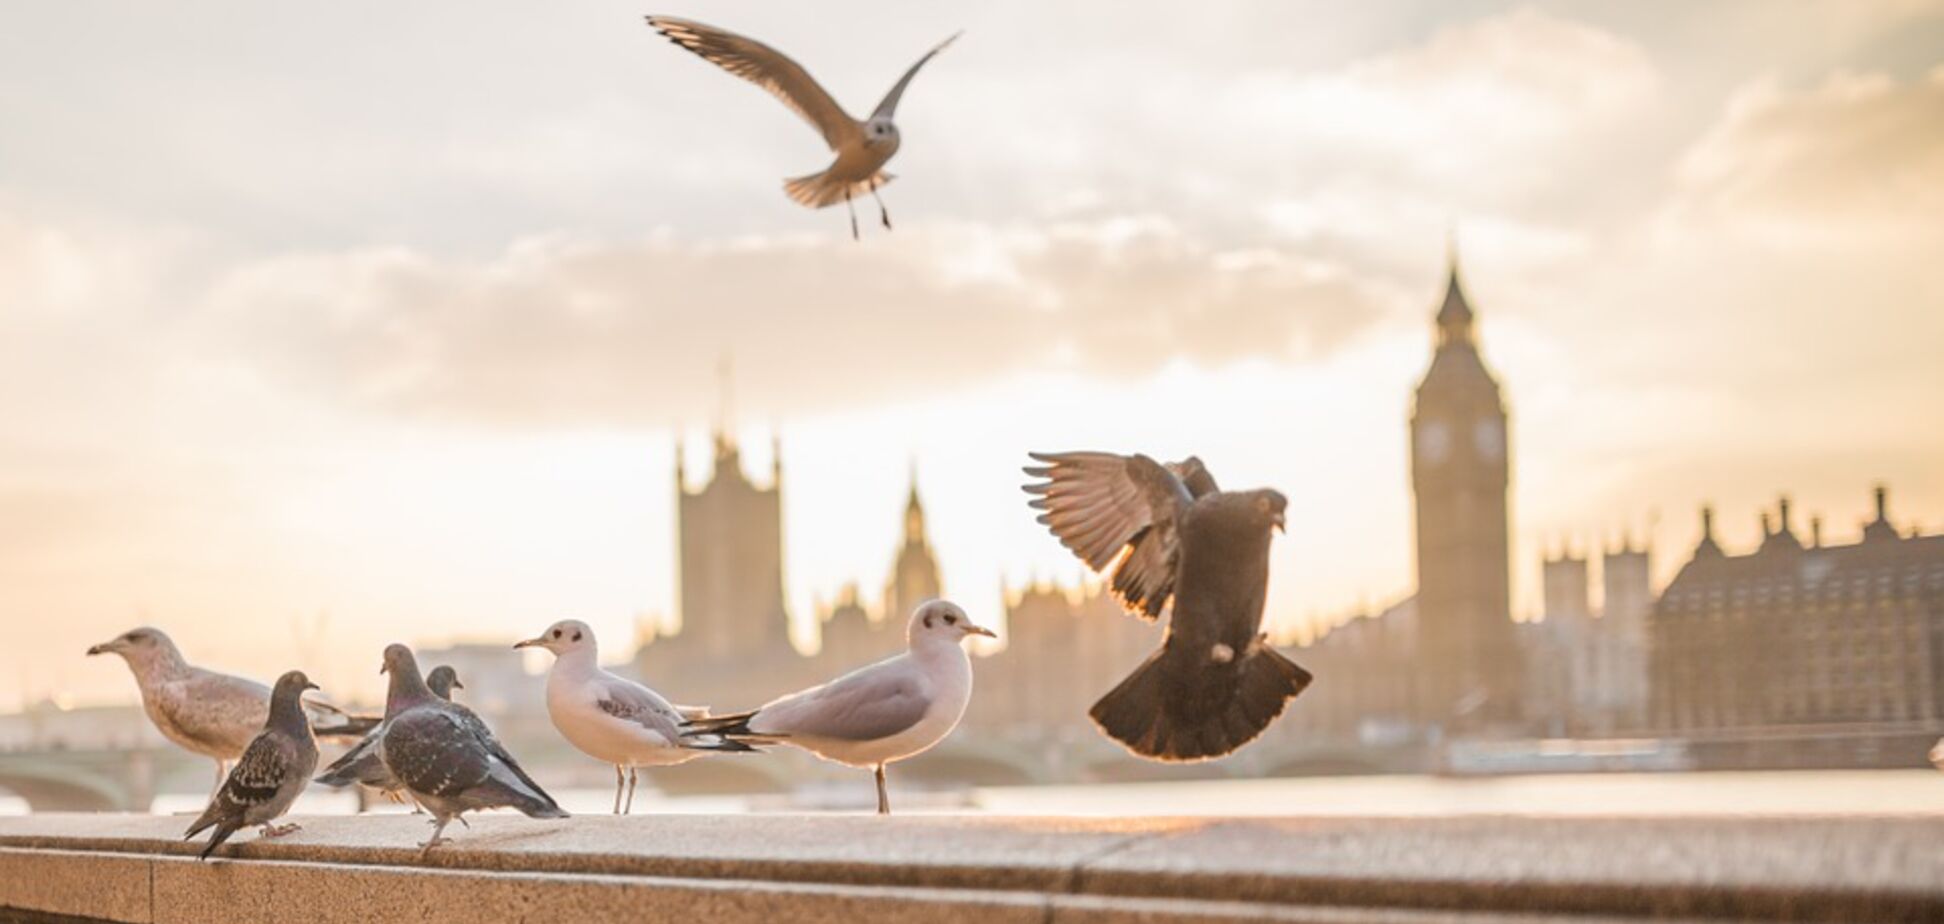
{"x": 889, "y": 106}
{"x": 767, "y": 68}
{"x": 1100, "y": 505}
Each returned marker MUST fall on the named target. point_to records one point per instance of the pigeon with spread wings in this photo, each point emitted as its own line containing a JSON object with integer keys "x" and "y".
{"x": 862, "y": 146}
{"x": 1170, "y": 535}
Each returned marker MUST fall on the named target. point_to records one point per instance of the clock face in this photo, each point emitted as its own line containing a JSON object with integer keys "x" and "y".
{"x": 1489, "y": 437}
{"x": 1434, "y": 442}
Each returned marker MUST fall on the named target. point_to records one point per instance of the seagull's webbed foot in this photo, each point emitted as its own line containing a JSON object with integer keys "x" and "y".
{"x": 268, "y": 831}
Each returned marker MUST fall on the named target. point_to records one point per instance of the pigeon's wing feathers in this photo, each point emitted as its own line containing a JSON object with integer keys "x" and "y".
{"x": 430, "y": 751}
{"x": 1100, "y": 505}
{"x": 217, "y": 711}
{"x": 259, "y": 773}
{"x": 1194, "y": 476}
{"x": 865, "y": 705}
{"x": 889, "y": 106}
{"x": 767, "y": 68}
{"x": 362, "y": 764}
{"x": 501, "y": 763}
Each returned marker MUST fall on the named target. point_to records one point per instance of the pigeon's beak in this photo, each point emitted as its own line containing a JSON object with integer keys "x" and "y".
{"x": 384, "y": 667}
{"x": 980, "y": 630}
{"x": 530, "y": 643}
{"x": 1280, "y": 521}
{"x": 457, "y": 685}
{"x": 312, "y": 686}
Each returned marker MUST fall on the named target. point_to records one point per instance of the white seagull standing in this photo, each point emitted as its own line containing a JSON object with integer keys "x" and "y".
{"x": 873, "y": 716}
{"x": 612, "y": 718}
{"x": 862, "y": 147}
{"x": 215, "y": 715}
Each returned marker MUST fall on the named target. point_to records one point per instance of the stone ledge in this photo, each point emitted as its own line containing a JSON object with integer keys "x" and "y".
{"x": 963, "y": 868}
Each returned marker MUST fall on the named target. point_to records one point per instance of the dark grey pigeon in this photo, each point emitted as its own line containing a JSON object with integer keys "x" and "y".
{"x": 442, "y": 681}
{"x": 446, "y": 757}
{"x": 361, "y": 765}
{"x": 1216, "y": 682}
{"x": 271, "y": 773}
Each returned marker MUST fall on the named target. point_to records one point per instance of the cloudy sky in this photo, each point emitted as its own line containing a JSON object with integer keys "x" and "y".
{"x": 392, "y": 315}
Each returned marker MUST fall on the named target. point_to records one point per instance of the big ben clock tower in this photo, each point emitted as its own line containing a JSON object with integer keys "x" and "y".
{"x": 1472, "y": 676}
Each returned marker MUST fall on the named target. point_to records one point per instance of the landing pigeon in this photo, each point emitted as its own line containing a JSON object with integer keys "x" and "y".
{"x": 862, "y": 148}
{"x": 270, "y": 774}
{"x": 876, "y": 715}
{"x": 445, "y": 755}
{"x": 1170, "y": 534}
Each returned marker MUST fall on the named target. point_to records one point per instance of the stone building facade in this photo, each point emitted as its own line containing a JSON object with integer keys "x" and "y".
{"x": 1798, "y": 635}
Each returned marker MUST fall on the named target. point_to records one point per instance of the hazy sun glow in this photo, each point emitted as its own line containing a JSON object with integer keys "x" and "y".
{"x": 393, "y": 317}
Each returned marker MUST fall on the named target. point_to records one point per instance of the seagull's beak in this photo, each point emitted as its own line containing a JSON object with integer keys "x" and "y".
{"x": 99, "y": 649}
{"x": 529, "y": 643}
{"x": 980, "y": 630}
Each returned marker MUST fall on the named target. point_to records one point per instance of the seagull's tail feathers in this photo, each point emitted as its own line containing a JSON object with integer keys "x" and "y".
{"x": 1180, "y": 706}
{"x": 821, "y": 190}
{"x": 725, "y": 733}
{"x": 329, "y": 721}
{"x": 707, "y": 742}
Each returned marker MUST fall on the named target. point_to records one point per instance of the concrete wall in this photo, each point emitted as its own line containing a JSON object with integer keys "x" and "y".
{"x": 813, "y": 868}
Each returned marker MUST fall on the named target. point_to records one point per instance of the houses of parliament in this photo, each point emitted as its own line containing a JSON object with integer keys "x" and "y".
{"x": 1791, "y": 642}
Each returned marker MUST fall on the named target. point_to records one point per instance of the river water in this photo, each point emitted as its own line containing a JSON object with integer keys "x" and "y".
{"x": 1868, "y": 792}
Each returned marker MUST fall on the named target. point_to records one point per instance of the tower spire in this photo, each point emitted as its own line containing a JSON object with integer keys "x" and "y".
{"x": 725, "y": 396}
{"x": 1455, "y": 313}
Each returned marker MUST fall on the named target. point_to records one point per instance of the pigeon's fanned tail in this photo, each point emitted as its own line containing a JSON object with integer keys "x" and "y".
{"x": 1180, "y": 706}
{"x": 821, "y": 190}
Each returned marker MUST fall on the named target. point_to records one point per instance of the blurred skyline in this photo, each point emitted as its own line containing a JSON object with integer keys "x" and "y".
{"x": 397, "y": 314}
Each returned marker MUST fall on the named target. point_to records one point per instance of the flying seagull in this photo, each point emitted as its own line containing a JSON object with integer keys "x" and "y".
{"x": 363, "y": 765}
{"x": 446, "y": 757}
{"x": 877, "y": 715}
{"x": 1169, "y": 533}
{"x": 862, "y": 147}
{"x": 215, "y": 715}
{"x": 614, "y": 719}
{"x": 270, "y": 774}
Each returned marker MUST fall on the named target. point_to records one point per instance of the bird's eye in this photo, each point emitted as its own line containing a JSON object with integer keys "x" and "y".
{"x": 951, "y": 620}
{"x": 576, "y": 636}
{"x": 556, "y": 633}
